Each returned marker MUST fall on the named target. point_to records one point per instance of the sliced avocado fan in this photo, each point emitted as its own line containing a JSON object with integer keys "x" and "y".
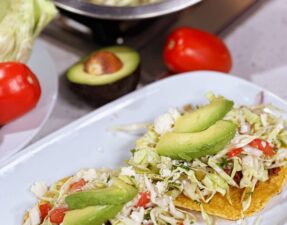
{"x": 118, "y": 193}
{"x": 92, "y": 215}
{"x": 188, "y": 146}
{"x": 203, "y": 117}
{"x": 98, "y": 206}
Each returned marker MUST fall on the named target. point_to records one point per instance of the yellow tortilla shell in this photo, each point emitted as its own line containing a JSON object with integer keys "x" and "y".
{"x": 220, "y": 207}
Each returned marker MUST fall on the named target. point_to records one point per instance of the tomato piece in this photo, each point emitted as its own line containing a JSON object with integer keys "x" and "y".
{"x": 44, "y": 210}
{"x": 19, "y": 91}
{"x": 268, "y": 150}
{"x": 144, "y": 199}
{"x": 77, "y": 185}
{"x": 256, "y": 143}
{"x": 189, "y": 49}
{"x": 234, "y": 152}
{"x": 57, "y": 215}
{"x": 264, "y": 146}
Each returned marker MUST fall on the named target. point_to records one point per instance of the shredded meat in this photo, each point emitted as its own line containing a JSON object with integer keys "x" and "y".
{"x": 237, "y": 177}
{"x": 274, "y": 171}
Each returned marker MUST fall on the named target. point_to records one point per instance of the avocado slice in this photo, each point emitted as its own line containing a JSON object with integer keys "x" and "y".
{"x": 118, "y": 193}
{"x": 203, "y": 117}
{"x": 92, "y": 215}
{"x": 188, "y": 146}
{"x": 105, "y": 75}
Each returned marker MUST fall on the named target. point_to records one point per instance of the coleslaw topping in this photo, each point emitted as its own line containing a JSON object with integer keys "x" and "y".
{"x": 257, "y": 151}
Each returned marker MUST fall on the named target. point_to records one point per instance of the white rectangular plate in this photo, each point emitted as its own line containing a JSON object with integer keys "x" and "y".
{"x": 88, "y": 143}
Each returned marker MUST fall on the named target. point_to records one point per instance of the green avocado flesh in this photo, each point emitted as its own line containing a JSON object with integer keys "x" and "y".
{"x": 203, "y": 117}
{"x": 92, "y": 215}
{"x": 188, "y": 146}
{"x": 118, "y": 193}
{"x": 129, "y": 57}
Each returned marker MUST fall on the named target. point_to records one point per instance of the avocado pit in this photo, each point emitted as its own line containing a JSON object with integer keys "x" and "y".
{"x": 102, "y": 63}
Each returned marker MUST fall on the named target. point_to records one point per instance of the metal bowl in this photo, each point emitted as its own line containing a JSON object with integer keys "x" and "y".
{"x": 83, "y": 7}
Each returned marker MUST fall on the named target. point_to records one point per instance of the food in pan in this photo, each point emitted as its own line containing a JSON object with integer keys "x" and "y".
{"x": 220, "y": 159}
{"x": 123, "y": 2}
{"x": 106, "y": 74}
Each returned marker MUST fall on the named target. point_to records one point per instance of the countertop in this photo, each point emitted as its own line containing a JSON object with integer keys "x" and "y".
{"x": 257, "y": 41}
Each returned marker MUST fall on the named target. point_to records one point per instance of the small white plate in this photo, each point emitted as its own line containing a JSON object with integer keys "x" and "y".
{"x": 17, "y": 134}
{"x": 88, "y": 143}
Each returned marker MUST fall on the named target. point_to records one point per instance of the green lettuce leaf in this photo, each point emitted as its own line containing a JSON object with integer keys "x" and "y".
{"x": 21, "y": 21}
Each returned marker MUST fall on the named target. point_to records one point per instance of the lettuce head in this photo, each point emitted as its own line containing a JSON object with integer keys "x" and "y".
{"x": 21, "y": 21}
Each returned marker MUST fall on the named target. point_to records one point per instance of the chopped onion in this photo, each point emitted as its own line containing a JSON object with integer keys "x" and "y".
{"x": 252, "y": 151}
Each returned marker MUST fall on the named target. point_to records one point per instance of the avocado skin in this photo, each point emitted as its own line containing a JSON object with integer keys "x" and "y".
{"x": 118, "y": 193}
{"x": 92, "y": 215}
{"x": 99, "y": 95}
{"x": 188, "y": 146}
{"x": 203, "y": 117}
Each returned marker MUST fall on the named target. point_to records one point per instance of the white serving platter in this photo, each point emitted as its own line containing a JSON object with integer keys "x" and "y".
{"x": 88, "y": 143}
{"x": 18, "y": 133}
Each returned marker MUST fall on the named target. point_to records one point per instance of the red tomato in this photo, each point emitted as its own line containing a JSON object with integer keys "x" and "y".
{"x": 77, "y": 185}
{"x": 144, "y": 199}
{"x": 19, "y": 91}
{"x": 264, "y": 146}
{"x": 189, "y": 49}
{"x": 44, "y": 210}
{"x": 234, "y": 152}
{"x": 57, "y": 215}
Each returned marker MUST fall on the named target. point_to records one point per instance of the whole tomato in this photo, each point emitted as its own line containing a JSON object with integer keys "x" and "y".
{"x": 19, "y": 91}
{"x": 189, "y": 49}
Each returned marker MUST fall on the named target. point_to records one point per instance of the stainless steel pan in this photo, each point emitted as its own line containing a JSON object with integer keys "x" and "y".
{"x": 84, "y": 8}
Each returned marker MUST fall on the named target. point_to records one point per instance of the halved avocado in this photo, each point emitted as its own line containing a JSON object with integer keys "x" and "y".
{"x": 106, "y": 74}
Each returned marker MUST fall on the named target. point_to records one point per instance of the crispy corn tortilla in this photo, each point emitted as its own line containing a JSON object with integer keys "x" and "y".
{"x": 220, "y": 207}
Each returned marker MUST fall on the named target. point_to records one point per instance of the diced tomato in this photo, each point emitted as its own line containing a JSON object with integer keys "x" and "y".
{"x": 256, "y": 143}
{"x": 57, "y": 215}
{"x": 234, "y": 152}
{"x": 264, "y": 146}
{"x": 144, "y": 199}
{"x": 77, "y": 185}
{"x": 44, "y": 210}
{"x": 268, "y": 150}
